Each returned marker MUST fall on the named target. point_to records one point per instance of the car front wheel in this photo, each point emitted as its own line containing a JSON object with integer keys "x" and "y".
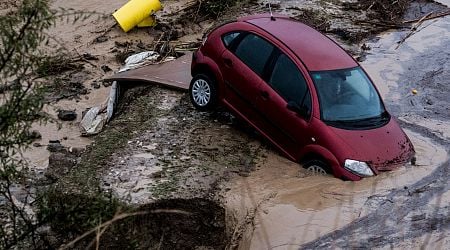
{"x": 317, "y": 167}
{"x": 203, "y": 93}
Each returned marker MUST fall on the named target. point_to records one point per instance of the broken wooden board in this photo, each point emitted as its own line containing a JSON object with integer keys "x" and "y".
{"x": 174, "y": 74}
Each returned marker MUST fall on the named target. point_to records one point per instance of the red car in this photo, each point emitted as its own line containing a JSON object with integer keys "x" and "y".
{"x": 301, "y": 91}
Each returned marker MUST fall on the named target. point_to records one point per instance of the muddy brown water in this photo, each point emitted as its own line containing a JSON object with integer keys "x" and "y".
{"x": 290, "y": 208}
{"x": 295, "y": 207}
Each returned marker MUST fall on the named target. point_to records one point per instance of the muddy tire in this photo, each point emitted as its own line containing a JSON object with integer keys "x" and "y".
{"x": 203, "y": 92}
{"x": 317, "y": 167}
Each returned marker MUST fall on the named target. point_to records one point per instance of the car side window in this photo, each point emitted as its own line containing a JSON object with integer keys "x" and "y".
{"x": 229, "y": 38}
{"x": 289, "y": 82}
{"x": 254, "y": 51}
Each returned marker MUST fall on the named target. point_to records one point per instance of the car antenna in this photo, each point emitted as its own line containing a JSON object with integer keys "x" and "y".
{"x": 272, "y": 18}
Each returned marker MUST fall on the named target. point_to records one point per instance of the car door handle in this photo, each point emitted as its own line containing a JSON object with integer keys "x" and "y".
{"x": 228, "y": 62}
{"x": 264, "y": 95}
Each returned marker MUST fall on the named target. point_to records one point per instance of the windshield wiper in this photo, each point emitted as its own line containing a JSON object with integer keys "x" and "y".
{"x": 362, "y": 123}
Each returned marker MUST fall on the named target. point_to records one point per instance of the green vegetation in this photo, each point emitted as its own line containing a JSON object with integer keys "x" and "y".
{"x": 24, "y": 59}
{"x": 21, "y": 103}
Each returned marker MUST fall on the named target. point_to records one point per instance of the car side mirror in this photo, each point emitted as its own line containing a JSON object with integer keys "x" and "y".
{"x": 302, "y": 111}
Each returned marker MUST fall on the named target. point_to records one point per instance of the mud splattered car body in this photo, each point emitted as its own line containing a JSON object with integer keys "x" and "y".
{"x": 302, "y": 92}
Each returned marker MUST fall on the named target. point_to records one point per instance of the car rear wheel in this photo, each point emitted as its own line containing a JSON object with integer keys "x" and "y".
{"x": 317, "y": 167}
{"x": 203, "y": 92}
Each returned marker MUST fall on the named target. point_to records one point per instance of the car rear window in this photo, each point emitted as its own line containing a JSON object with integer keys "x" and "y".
{"x": 254, "y": 51}
{"x": 229, "y": 38}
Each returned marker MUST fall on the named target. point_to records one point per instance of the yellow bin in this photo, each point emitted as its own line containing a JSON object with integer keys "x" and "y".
{"x": 134, "y": 12}
{"x": 148, "y": 22}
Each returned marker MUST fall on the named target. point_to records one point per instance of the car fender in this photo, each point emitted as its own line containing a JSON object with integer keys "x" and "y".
{"x": 329, "y": 158}
{"x": 325, "y": 154}
{"x": 202, "y": 62}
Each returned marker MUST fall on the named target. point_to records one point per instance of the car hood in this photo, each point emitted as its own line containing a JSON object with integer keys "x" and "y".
{"x": 383, "y": 148}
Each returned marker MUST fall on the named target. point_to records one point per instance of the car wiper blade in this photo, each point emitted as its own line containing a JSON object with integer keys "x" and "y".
{"x": 361, "y": 123}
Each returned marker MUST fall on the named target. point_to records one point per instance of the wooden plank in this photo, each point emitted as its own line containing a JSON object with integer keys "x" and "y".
{"x": 174, "y": 74}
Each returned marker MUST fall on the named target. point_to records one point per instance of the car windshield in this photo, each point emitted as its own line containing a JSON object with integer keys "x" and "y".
{"x": 347, "y": 96}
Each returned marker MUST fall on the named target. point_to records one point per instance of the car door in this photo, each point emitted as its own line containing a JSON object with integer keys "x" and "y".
{"x": 287, "y": 127}
{"x": 243, "y": 65}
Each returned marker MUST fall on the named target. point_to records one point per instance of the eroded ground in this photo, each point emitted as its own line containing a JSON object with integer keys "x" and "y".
{"x": 158, "y": 147}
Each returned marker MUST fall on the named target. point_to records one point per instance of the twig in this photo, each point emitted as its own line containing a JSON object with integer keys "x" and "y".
{"x": 413, "y": 29}
{"x": 384, "y": 24}
{"x": 427, "y": 17}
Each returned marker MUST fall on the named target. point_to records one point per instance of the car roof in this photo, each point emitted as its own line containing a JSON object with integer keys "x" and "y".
{"x": 315, "y": 50}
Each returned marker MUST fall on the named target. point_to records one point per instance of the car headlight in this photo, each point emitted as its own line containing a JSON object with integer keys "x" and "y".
{"x": 358, "y": 167}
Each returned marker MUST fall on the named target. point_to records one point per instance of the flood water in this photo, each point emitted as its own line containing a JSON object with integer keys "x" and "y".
{"x": 290, "y": 208}
{"x": 296, "y": 207}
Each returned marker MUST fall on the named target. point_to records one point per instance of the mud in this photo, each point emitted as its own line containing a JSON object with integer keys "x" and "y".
{"x": 181, "y": 153}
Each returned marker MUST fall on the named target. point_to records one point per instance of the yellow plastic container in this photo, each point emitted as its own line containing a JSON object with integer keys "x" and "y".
{"x": 134, "y": 12}
{"x": 148, "y": 22}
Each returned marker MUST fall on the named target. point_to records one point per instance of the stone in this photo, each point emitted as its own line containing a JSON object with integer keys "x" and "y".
{"x": 67, "y": 115}
{"x": 59, "y": 164}
{"x": 35, "y": 135}
{"x": 95, "y": 85}
{"x": 55, "y": 146}
{"x": 105, "y": 68}
{"x": 101, "y": 39}
{"x": 106, "y": 84}
{"x": 89, "y": 56}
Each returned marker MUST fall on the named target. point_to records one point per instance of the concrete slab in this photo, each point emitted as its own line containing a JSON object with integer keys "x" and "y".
{"x": 174, "y": 74}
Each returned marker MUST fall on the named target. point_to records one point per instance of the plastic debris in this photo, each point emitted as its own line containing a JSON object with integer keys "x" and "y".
{"x": 134, "y": 12}
{"x": 137, "y": 60}
{"x": 92, "y": 122}
{"x": 96, "y": 118}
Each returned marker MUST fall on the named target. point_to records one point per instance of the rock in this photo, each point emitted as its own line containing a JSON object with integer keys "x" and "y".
{"x": 122, "y": 44}
{"x": 84, "y": 92}
{"x": 55, "y": 146}
{"x": 244, "y": 174}
{"x": 76, "y": 151}
{"x": 106, "y": 84}
{"x": 95, "y": 85}
{"x": 101, "y": 39}
{"x": 67, "y": 115}
{"x": 418, "y": 217}
{"x": 88, "y": 56}
{"x": 59, "y": 164}
{"x": 35, "y": 135}
{"x": 365, "y": 47}
{"x": 105, "y": 68}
